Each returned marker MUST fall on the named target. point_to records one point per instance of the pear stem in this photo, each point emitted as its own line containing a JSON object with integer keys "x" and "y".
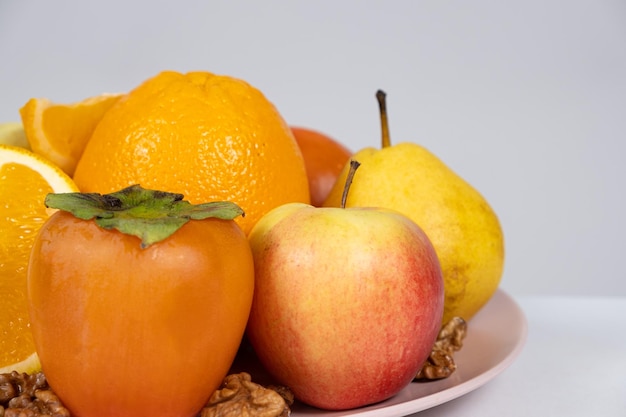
{"x": 354, "y": 165}
{"x": 384, "y": 123}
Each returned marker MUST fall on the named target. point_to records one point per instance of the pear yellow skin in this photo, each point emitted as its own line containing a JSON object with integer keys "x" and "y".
{"x": 12, "y": 133}
{"x": 461, "y": 225}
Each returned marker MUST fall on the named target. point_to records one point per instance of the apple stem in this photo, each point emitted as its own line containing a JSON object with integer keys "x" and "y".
{"x": 382, "y": 105}
{"x": 354, "y": 165}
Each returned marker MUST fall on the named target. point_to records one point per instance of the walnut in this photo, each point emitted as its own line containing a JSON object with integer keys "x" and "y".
{"x": 24, "y": 395}
{"x": 284, "y": 392}
{"x": 239, "y": 396}
{"x": 14, "y": 384}
{"x": 440, "y": 364}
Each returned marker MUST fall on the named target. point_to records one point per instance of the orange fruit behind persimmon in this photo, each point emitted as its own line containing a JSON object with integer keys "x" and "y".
{"x": 324, "y": 158}
{"x": 209, "y": 137}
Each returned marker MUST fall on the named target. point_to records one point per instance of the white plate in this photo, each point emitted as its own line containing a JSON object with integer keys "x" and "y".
{"x": 495, "y": 337}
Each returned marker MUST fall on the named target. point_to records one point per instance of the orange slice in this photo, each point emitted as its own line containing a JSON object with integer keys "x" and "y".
{"x": 60, "y": 131}
{"x": 25, "y": 179}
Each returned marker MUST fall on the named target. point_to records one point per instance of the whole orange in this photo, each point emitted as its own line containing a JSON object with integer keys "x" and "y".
{"x": 209, "y": 137}
{"x": 324, "y": 158}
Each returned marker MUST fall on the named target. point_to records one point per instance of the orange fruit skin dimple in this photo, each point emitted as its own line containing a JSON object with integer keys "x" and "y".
{"x": 209, "y": 137}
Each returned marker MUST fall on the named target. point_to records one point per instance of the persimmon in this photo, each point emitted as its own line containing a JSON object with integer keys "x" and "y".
{"x": 324, "y": 158}
{"x": 138, "y": 301}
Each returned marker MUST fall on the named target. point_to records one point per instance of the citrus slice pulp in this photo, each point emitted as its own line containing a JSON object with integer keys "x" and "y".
{"x": 60, "y": 132}
{"x": 25, "y": 179}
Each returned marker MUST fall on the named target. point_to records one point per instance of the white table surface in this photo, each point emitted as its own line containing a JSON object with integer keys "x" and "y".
{"x": 573, "y": 364}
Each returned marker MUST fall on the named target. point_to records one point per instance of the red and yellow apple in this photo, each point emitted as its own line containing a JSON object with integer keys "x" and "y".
{"x": 347, "y": 304}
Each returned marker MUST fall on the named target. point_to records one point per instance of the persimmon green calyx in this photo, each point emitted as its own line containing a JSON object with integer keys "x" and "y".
{"x": 150, "y": 215}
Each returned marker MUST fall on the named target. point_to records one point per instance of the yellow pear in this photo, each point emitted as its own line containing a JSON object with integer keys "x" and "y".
{"x": 12, "y": 133}
{"x": 463, "y": 228}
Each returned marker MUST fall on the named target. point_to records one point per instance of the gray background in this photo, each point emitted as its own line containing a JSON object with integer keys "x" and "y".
{"x": 525, "y": 99}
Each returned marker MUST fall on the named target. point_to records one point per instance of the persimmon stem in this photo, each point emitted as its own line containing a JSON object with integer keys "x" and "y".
{"x": 354, "y": 165}
{"x": 384, "y": 123}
